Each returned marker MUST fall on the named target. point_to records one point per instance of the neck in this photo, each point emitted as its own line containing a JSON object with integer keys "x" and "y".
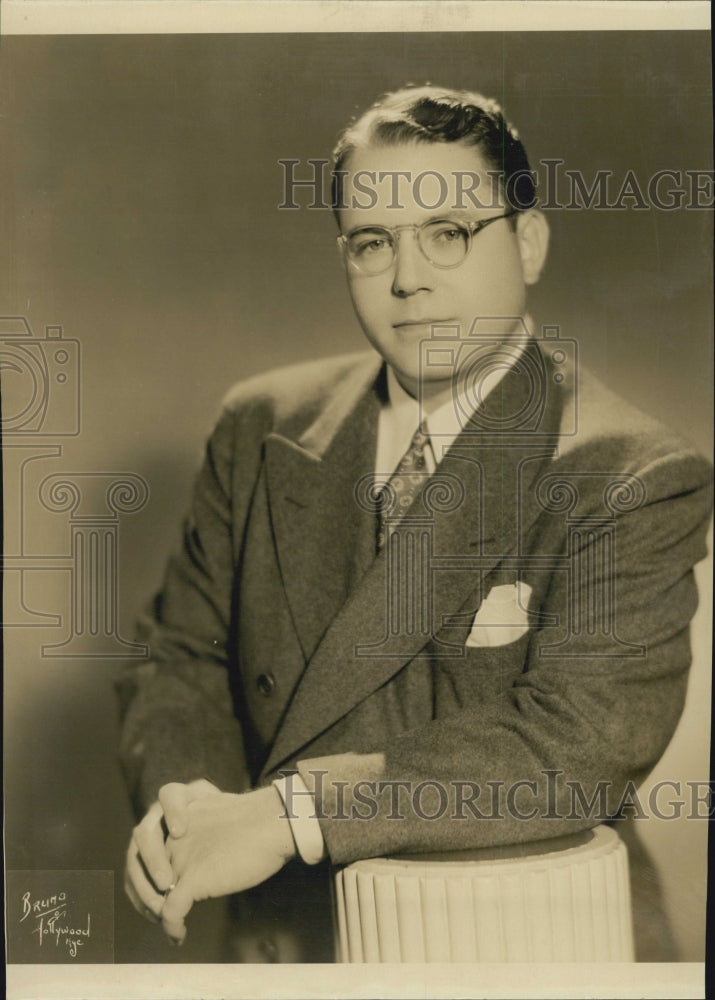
{"x": 435, "y": 393}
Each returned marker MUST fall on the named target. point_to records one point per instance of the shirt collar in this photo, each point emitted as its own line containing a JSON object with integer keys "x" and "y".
{"x": 445, "y": 422}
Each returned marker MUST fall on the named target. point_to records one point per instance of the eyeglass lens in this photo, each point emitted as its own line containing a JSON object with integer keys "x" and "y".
{"x": 443, "y": 243}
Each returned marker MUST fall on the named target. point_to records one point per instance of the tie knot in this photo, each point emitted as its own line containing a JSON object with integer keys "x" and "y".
{"x": 414, "y": 457}
{"x": 420, "y": 437}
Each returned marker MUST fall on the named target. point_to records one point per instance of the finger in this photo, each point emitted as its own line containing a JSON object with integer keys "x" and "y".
{"x": 149, "y": 842}
{"x": 143, "y": 894}
{"x": 136, "y": 901}
{"x": 177, "y": 905}
{"x": 173, "y": 799}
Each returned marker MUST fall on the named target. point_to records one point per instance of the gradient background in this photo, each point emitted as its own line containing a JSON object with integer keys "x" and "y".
{"x": 139, "y": 184}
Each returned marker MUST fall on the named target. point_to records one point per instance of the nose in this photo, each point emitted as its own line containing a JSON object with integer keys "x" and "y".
{"x": 413, "y": 272}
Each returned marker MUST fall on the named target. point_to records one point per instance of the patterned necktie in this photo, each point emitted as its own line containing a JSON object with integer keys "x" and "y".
{"x": 404, "y": 483}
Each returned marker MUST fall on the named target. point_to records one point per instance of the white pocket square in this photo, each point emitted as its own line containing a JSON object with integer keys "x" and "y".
{"x": 502, "y": 617}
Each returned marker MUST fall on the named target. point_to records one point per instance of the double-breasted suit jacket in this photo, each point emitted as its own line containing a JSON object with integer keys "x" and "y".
{"x": 281, "y": 640}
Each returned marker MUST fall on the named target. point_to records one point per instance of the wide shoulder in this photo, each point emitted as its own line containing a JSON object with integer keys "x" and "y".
{"x": 611, "y": 434}
{"x": 292, "y": 395}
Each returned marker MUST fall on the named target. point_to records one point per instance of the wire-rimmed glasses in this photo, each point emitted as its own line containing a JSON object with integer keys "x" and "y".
{"x": 444, "y": 242}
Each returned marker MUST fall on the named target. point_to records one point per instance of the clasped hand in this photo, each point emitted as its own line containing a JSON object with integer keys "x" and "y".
{"x": 197, "y": 842}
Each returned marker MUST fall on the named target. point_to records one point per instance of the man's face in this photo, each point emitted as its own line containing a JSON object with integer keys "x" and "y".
{"x": 398, "y": 307}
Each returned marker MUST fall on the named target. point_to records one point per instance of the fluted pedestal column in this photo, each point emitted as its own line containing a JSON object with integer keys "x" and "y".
{"x": 568, "y": 900}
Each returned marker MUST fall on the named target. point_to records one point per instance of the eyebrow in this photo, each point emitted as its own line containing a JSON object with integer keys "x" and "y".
{"x": 447, "y": 215}
{"x": 456, "y": 215}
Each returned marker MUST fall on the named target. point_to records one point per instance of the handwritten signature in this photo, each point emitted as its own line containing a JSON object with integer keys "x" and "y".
{"x": 51, "y": 924}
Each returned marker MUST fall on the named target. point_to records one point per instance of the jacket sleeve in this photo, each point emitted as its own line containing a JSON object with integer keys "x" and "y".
{"x": 562, "y": 747}
{"x": 178, "y": 713}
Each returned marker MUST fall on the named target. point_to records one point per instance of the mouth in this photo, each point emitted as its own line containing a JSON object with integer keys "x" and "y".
{"x": 405, "y": 324}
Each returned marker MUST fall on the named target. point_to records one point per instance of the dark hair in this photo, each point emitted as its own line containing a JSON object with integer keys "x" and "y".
{"x": 438, "y": 114}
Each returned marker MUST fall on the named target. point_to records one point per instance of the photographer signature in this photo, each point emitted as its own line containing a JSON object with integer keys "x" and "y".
{"x": 51, "y": 923}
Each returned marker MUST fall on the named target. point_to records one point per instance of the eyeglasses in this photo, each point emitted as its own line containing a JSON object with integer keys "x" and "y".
{"x": 443, "y": 242}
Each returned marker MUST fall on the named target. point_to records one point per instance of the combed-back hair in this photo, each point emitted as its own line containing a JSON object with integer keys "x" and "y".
{"x": 438, "y": 115}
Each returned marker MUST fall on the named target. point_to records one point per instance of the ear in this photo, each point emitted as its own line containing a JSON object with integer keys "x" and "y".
{"x": 532, "y": 233}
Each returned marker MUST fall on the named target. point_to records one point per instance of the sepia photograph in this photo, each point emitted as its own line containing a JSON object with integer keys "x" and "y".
{"x": 357, "y": 448}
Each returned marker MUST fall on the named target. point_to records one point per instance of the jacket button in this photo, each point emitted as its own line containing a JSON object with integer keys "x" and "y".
{"x": 265, "y": 684}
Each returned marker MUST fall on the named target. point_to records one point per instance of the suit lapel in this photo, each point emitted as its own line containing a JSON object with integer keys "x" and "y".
{"x": 499, "y": 457}
{"x": 481, "y": 476}
{"x": 316, "y": 525}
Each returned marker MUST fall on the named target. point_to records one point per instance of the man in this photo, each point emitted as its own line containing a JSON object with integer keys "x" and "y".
{"x": 461, "y": 564}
